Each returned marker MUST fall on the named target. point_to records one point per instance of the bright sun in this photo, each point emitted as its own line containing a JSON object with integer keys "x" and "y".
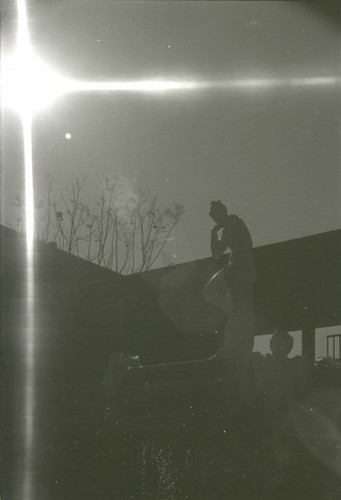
{"x": 28, "y": 84}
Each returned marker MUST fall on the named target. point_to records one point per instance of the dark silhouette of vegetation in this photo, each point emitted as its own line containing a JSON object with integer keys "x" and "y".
{"x": 120, "y": 230}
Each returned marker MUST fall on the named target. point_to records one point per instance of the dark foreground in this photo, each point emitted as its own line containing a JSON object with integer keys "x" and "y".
{"x": 198, "y": 430}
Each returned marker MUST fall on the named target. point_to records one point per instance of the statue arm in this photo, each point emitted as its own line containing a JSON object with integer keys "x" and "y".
{"x": 218, "y": 245}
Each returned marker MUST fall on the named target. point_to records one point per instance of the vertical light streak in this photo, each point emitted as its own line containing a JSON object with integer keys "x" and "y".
{"x": 23, "y": 44}
{"x": 22, "y": 33}
{"x": 29, "y": 192}
{"x": 29, "y": 328}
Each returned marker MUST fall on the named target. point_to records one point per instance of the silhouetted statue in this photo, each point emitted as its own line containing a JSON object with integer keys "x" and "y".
{"x": 231, "y": 289}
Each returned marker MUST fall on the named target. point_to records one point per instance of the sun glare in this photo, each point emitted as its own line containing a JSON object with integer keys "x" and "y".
{"x": 28, "y": 84}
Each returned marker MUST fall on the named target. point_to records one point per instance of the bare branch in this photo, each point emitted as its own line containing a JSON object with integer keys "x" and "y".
{"x": 127, "y": 235}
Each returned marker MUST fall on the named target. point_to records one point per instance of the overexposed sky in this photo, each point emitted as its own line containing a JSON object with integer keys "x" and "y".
{"x": 271, "y": 153}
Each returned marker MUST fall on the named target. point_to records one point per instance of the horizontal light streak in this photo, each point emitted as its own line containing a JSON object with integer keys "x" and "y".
{"x": 29, "y": 85}
{"x": 155, "y": 86}
{"x": 129, "y": 86}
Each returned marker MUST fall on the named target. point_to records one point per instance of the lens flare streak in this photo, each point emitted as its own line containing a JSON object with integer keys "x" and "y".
{"x": 29, "y": 326}
{"x": 165, "y": 85}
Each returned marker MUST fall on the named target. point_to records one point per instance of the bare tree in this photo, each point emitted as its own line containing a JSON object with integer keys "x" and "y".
{"x": 153, "y": 227}
{"x": 69, "y": 217}
{"x": 126, "y": 233}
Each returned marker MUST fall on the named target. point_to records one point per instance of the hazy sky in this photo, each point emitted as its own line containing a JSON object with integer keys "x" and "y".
{"x": 271, "y": 154}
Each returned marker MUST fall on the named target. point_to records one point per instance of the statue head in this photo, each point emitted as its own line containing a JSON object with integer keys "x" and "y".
{"x": 218, "y": 212}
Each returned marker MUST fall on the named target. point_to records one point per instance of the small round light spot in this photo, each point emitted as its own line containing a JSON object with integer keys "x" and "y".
{"x": 68, "y": 136}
